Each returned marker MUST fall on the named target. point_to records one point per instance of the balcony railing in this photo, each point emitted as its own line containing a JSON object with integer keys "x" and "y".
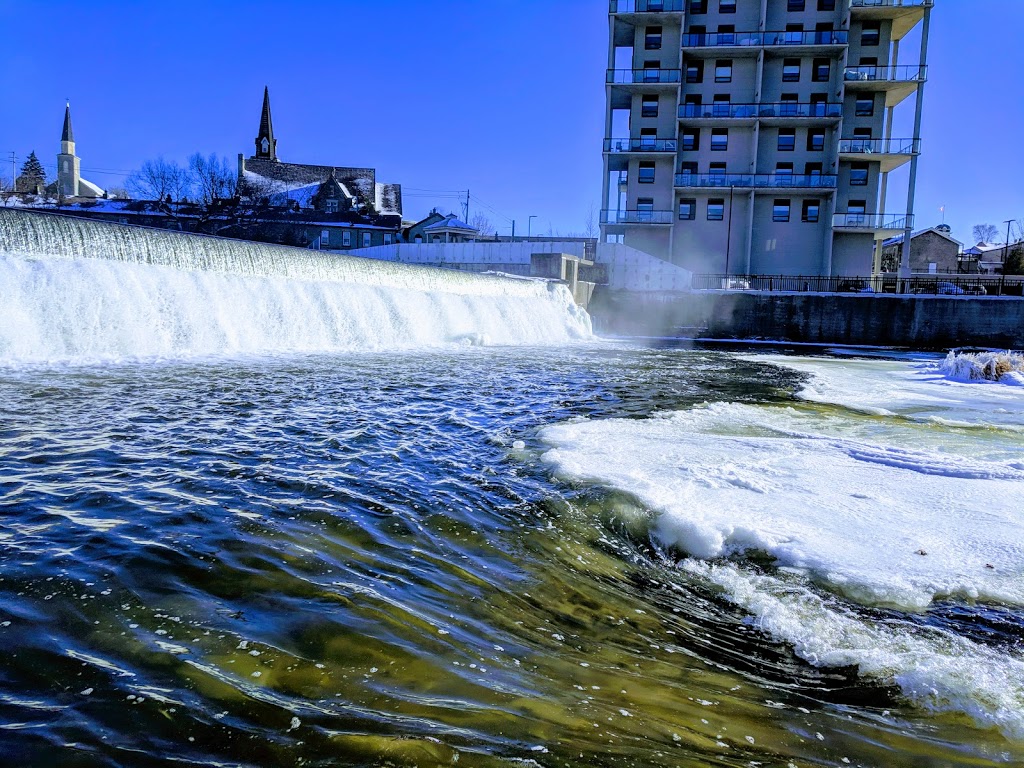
{"x": 880, "y": 147}
{"x": 755, "y": 39}
{"x": 740, "y": 111}
{"x": 636, "y": 217}
{"x": 900, "y": 73}
{"x": 890, "y": 3}
{"x": 640, "y": 145}
{"x": 898, "y": 221}
{"x": 756, "y": 180}
{"x": 646, "y": 6}
{"x": 642, "y": 76}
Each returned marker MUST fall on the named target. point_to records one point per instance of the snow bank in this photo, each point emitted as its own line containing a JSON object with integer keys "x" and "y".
{"x": 1003, "y": 367}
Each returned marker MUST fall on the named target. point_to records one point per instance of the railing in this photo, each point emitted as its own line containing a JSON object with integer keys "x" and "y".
{"x": 640, "y": 145}
{"x": 646, "y": 6}
{"x": 872, "y": 221}
{"x": 636, "y": 217}
{"x": 899, "y": 73}
{"x": 880, "y": 146}
{"x": 739, "y": 111}
{"x": 890, "y": 3}
{"x": 642, "y": 76}
{"x": 756, "y": 39}
{"x": 756, "y": 180}
{"x": 932, "y": 285}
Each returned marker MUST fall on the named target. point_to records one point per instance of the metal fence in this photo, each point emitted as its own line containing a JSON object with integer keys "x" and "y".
{"x": 922, "y": 285}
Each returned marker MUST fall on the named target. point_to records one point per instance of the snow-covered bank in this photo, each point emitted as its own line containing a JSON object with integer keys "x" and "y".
{"x": 1003, "y": 367}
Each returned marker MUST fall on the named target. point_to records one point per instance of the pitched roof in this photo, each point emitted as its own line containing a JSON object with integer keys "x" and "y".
{"x": 450, "y": 222}
{"x": 68, "y": 134}
{"x": 899, "y": 238}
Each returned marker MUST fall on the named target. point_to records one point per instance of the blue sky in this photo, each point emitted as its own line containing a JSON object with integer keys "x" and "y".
{"x": 504, "y": 98}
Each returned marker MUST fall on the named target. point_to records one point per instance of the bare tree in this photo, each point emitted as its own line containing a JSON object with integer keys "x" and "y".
{"x": 985, "y": 233}
{"x": 118, "y": 193}
{"x": 159, "y": 179}
{"x": 481, "y": 222}
{"x": 591, "y": 229}
{"x": 211, "y": 178}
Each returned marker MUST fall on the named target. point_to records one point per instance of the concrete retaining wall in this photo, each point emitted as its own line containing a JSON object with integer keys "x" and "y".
{"x": 917, "y": 322}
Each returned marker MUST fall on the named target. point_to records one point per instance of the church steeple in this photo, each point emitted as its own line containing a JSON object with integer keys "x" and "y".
{"x": 67, "y": 138}
{"x": 266, "y": 144}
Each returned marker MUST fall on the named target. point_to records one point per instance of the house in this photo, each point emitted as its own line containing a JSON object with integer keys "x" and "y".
{"x": 438, "y": 228}
{"x": 932, "y": 251}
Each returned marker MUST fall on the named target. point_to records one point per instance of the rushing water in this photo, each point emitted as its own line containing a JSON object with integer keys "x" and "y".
{"x": 360, "y": 550}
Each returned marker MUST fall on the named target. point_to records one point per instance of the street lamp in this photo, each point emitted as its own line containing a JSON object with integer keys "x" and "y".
{"x": 529, "y": 227}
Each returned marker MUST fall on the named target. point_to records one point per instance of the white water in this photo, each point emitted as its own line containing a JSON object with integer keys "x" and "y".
{"x": 913, "y": 496}
{"x": 140, "y": 294}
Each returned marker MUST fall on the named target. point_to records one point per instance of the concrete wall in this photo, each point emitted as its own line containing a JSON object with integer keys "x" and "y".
{"x": 918, "y": 322}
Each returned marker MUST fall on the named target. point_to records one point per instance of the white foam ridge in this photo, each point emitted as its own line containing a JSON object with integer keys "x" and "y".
{"x": 78, "y": 291}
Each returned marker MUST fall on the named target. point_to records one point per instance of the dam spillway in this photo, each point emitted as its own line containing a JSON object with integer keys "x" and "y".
{"x": 78, "y": 290}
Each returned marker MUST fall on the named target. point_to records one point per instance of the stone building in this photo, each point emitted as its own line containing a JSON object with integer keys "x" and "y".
{"x": 932, "y": 251}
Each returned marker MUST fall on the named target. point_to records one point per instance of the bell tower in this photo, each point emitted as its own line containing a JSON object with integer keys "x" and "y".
{"x": 266, "y": 144}
{"x": 68, "y": 164}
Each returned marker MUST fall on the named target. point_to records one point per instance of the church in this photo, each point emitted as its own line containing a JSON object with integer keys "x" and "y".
{"x": 324, "y": 188}
{"x": 70, "y": 183}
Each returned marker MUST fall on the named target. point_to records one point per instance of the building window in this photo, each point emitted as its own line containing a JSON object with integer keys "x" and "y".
{"x": 815, "y": 140}
{"x": 645, "y": 209}
{"x": 649, "y": 106}
{"x": 652, "y": 39}
{"x": 716, "y": 209}
{"x": 812, "y": 170}
{"x": 717, "y": 169}
{"x": 652, "y": 71}
{"x": 826, "y": 5}
{"x": 691, "y": 139}
{"x": 331, "y": 206}
{"x": 871, "y": 34}
{"x": 727, "y": 6}
{"x": 695, "y": 71}
{"x": 726, "y": 34}
{"x": 720, "y": 140}
{"x": 787, "y": 139}
{"x": 791, "y": 70}
{"x": 722, "y": 105}
{"x": 698, "y": 6}
{"x": 865, "y": 106}
{"x": 812, "y": 211}
{"x": 346, "y": 239}
{"x": 780, "y": 212}
{"x": 648, "y": 139}
{"x": 795, "y": 5}
{"x": 822, "y": 71}
{"x": 723, "y": 71}
{"x": 388, "y": 238}
{"x": 859, "y": 175}
{"x": 687, "y": 210}
{"x": 325, "y": 236}
{"x": 646, "y": 172}
{"x": 367, "y": 239}
{"x": 783, "y": 171}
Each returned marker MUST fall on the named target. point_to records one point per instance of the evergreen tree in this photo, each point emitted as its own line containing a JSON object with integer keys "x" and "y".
{"x": 1014, "y": 264}
{"x": 33, "y": 175}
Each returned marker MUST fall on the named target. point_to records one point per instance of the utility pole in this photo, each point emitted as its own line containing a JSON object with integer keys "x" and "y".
{"x": 14, "y": 172}
{"x": 529, "y": 227}
{"x": 1006, "y": 248}
{"x": 466, "y": 219}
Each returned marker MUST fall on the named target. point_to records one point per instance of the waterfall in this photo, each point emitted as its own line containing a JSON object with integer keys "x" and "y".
{"x": 75, "y": 290}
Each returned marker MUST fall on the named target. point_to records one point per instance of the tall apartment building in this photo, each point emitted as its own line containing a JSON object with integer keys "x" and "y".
{"x": 757, "y": 136}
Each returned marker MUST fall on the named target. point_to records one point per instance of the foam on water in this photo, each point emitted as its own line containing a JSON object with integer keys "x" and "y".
{"x": 859, "y": 510}
{"x": 80, "y": 292}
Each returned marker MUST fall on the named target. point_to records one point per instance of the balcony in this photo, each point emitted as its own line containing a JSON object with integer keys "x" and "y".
{"x": 777, "y": 113}
{"x": 769, "y": 181}
{"x": 897, "y": 82}
{"x": 636, "y": 218}
{"x": 641, "y": 145}
{"x": 891, "y": 153}
{"x": 904, "y": 14}
{"x": 879, "y": 224}
{"x": 616, "y": 7}
{"x": 644, "y": 77}
{"x": 749, "y": 43}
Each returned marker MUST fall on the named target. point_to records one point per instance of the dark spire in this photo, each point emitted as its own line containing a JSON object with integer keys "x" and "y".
{"x": 68, "y": 135}
{"x": 266, "y": 144}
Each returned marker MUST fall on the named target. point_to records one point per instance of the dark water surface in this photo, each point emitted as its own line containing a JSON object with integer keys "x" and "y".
{"x": 352, "y": 560}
